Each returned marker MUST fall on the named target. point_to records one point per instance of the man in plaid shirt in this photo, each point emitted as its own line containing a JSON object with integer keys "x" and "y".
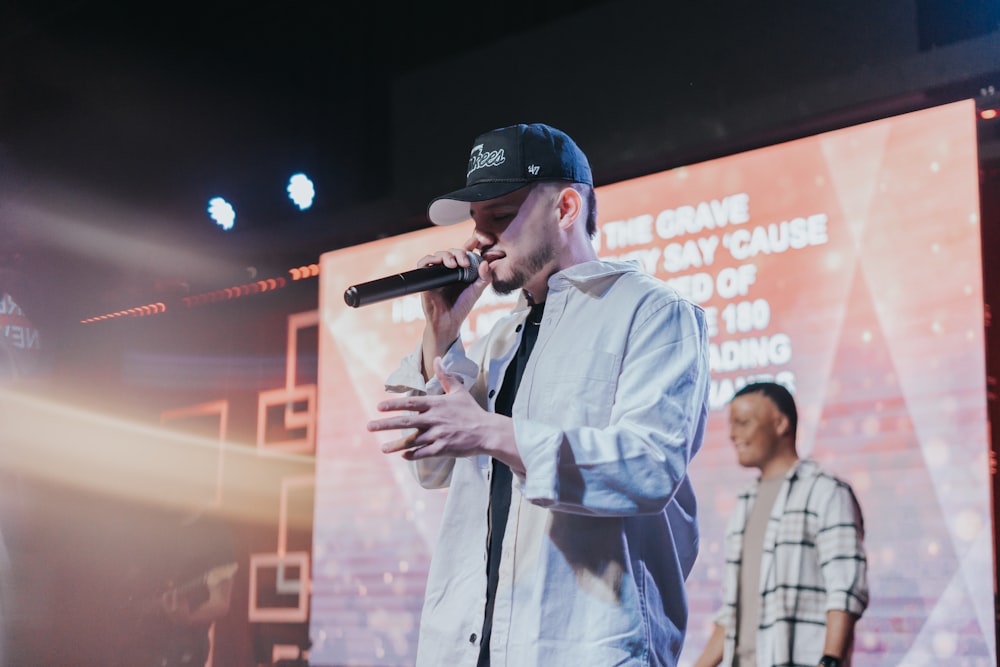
{"x": 796, "y": 573}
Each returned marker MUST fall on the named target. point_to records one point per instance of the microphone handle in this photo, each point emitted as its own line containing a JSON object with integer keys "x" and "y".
{"x": 411, "y": 282}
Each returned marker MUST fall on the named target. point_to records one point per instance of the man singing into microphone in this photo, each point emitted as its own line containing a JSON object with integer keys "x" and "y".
{"x": 563, "y": 436}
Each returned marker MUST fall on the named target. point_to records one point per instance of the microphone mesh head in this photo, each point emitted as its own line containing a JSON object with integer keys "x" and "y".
{"x": 472, "y": 273}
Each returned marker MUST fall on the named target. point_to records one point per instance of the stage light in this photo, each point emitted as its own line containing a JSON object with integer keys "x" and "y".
{"x": 222, "y": 212}
{"x": 988, "y": 114}
{"x": 301, "y": 191}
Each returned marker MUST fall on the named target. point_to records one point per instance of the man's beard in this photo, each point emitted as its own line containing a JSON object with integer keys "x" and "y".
{"x": 531, "y": 265}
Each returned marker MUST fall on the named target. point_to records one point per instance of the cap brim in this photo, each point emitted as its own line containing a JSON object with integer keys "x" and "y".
{"x": 453, "y": 207}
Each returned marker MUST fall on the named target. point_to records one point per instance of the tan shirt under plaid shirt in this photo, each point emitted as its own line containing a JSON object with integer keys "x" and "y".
{"x": 813, "y": 561}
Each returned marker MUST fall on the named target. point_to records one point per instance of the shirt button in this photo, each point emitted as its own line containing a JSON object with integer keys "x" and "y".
{"x": 492, "y": 391}
{"x": 518, "y": 328}
{"x": 472, "y": 638}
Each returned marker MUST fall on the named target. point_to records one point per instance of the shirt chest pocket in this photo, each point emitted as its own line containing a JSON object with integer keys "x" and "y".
{"x": 575, "y": 389}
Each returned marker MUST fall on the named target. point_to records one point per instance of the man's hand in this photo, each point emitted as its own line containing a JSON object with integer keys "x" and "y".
{"x": 711, "y": 654}
{"x": 451, "y": 424}
{"x": 446, "y": 308}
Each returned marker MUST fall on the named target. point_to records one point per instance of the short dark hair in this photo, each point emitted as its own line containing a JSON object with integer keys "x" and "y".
{"x": 591, "y": 198}
{"x": 779, "y": 395}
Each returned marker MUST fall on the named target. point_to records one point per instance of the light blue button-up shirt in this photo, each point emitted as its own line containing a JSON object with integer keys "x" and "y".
{"x": 602, "y": 530}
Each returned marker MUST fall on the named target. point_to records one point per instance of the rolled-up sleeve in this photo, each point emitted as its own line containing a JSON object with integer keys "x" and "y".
{"x": 839, "y": 543}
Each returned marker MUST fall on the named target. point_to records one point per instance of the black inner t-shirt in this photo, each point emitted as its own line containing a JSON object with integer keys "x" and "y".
{"x": 500, "y": 483}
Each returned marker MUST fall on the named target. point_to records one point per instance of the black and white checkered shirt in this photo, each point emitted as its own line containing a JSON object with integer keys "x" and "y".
{"x": 813, "y": 561}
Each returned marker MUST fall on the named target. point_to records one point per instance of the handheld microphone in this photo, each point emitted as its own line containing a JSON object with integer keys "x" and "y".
{"x": 412, "y": 282}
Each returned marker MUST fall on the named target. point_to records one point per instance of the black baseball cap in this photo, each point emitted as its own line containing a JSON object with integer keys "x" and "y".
{"x": 507, "y": 159}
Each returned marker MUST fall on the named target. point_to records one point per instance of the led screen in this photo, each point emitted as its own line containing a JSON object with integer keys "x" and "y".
{"x": 845, "y": 265}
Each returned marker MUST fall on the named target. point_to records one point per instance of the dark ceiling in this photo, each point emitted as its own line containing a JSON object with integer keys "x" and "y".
{"x": 165, "y": 105}
{"x": 119, "y": 120}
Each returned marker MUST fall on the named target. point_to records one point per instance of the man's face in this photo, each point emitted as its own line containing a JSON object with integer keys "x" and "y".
{"x": 518, "y": 236}
{"x": 754, "y": 423}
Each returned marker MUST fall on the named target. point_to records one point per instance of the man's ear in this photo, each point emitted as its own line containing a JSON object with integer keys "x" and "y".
{"x": 570, "y": 205}
{"x": 781, "y": 423}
